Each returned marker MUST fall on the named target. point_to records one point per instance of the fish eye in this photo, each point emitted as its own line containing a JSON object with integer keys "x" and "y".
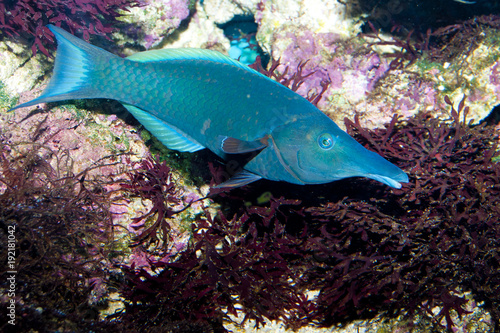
{"x": 326, "y": 141}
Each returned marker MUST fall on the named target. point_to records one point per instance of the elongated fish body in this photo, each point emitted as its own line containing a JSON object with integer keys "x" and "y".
{"x": 192, "y": 99}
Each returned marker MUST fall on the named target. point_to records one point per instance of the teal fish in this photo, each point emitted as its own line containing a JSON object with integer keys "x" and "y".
{"x": 192, "y": 99}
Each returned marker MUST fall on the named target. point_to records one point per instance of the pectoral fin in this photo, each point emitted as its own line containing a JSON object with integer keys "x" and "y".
{"x": 236, "y": 146}
{"x": 239, "y": 179}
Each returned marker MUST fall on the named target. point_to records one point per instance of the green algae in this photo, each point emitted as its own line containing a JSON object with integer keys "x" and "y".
{"x": 6, "y": 101}
{"x": 424, "y": 64}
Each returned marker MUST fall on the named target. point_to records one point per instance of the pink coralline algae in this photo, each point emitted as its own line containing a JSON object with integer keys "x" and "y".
{"x": 179, "y": 10}
{"x": 376, "y": 77}
{"x": 351, "y": 70}
{"x": 495, "y": 78}
{"x": 361, "y": 81}
{"x": 164, "y": 16}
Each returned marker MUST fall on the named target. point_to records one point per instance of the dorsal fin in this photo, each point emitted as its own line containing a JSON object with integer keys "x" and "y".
{"x": 189, "y": 54}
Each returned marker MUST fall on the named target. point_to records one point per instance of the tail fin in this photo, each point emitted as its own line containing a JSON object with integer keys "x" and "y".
{"x": 75, "y": 64}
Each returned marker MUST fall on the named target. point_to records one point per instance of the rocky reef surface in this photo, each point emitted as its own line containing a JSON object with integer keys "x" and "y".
{"x": 357, "y": 68}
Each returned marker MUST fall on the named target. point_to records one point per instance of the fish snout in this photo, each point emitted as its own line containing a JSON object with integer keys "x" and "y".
{"x": 371, "y": 165}
{"x": 393, "y": 180}
{"x": 385, "y": 172}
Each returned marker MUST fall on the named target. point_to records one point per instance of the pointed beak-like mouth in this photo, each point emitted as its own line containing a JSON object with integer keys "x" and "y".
{"x": 391, "y": 181}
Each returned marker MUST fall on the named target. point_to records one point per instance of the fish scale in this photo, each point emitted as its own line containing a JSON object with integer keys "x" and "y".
{"x": 216, "y": 103}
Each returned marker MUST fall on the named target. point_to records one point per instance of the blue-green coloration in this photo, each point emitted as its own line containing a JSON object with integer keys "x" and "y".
{"x": 192, "y": 99}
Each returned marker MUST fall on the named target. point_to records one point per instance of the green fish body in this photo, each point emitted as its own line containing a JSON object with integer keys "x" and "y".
{"x": 192, "y": 99}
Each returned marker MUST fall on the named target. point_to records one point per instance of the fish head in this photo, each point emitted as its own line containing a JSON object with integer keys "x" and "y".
{"x": 316, "y": 152}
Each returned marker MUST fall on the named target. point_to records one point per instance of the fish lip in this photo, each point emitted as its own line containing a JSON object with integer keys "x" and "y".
{"x": 390, "y": 181}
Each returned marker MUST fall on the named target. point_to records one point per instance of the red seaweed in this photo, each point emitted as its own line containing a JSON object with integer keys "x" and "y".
{"x": 28, "y": 19}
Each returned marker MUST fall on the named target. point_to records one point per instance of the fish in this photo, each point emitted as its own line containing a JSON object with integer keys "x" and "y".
{"x": 191, "y": 99}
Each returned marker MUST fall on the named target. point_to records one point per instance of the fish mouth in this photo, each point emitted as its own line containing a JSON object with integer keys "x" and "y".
{"x": 391, "y": 181}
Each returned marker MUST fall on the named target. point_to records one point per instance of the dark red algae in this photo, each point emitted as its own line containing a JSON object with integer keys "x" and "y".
{"x": 29, "y": 18}
{"x": 56, "y": 236}
{"x": 367, "y": 249}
